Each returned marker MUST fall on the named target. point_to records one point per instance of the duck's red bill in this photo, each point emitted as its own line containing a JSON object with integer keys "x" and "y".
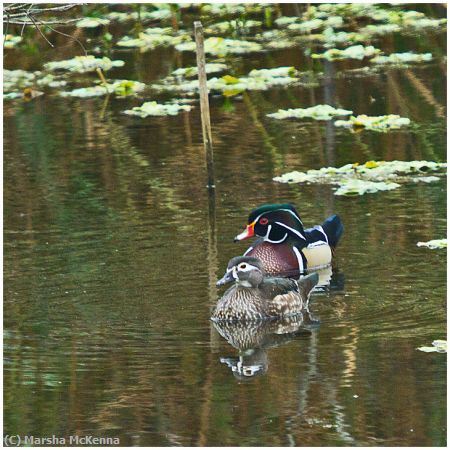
{"x": 247, "y": 233}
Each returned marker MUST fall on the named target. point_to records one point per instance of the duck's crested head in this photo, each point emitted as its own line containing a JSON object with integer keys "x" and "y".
{"x": 274, "y": 222}
{"x": 246, "y": 271}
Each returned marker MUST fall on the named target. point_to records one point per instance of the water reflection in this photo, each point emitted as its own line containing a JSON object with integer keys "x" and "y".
{"x": 255, "y": 338}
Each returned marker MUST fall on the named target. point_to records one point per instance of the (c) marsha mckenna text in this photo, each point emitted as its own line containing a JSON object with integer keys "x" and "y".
{"x": 17, "y": 440}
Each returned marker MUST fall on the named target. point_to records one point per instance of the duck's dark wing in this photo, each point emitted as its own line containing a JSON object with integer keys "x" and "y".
{"x": 330, "y": 231}
{"x": 272, "y": 287}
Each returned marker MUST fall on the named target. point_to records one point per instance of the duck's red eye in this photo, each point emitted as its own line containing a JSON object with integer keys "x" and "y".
{"x": 264, "y": 221}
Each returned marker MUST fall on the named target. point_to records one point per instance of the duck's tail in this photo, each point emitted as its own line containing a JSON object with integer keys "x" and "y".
{"x": 333, "y": 228}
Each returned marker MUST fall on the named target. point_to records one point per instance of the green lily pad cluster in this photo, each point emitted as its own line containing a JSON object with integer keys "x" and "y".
{"x": 231, "y": 9}
{"x": 402, "y": 58}
{"x": 154, "y": 37}
{"x": 220, "y": 46}
{"x": 434, "y": 244}
{"x": 373, "y": 176}
{"x": 14, "y": 81}
{"x": 83, "y": 64}
{"x": 324, "y": 24}
{"x": 377, "y": 13}
{"x": 158, "y": 109}
{"x": 92, "y": 22}
{"x": 188, "y": 72}
{"x": 257, "y": 79}
{"x": 318, "y": 112}
{"x": 438, "y": 346}
{"x": 243, "y": 26}
{"x": 11, "y": 41}
{"x": 162, "y": 13}
{"x": 354, "y": 52}
{"x": 374, "y": 123}
{"x": 121, "y": 88}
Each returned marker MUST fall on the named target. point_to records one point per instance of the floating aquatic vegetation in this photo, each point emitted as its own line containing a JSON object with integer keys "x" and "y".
{"x": 12, "y": 95}
{"x": 276, "y": 39}
{"x": 159, "y": 14}
{"x": 379, "y": 29}
{"x": 402, "y": 58}
{"x": 318, "y": 112}
{"x": 154, "y": 37}
{"x": 330, "y": 37}
{"x": 434, "y": 244}
{"x": 157, "y": 109}
{"x": 286, "y": 20}
{"x": 360, "y": 187}
{"x": 374, "y": 123}
{"x": 349, "y": 10}
{"x": 413, "y": 19}
{"x": 82, "y": 64}
{"x": 51, "y": 80}
{"x": 17, "y": 79}
{"x": 438, "y": 346}
{"x": 358, "y": 179}
{"x": 11, "y": 41}
{"x": 122, "y": 88}
{"x": 232, "y": 25}
{"x": 222, "y": 46}
{"x": 193, "y": 71}
{"x": 353, "y": 52}
{"x": 92, "y": 22}
{"x": 228, "y": 85}
{"x": 314, "y": 24}
{"x": 228, "y": 9}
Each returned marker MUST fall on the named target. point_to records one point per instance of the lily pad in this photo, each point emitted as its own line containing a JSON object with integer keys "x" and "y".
{"x": 402, "y": 58}
{"x": 11, "y": 41}
{"x": 92, "y": 22}
{"x": 318, "y": 112}
{"x": 154, "y": 37}
{"x": 228, "y": 85}
{"x": 158, "y": 14}
{"x": 358, "y": 179}
{"x": 355, "y": 186}
{"x": 232, "y": 25}
{"x": 83, "y": 64}
{"x": 434, "y": 244}
{"x": 374, "y": 123}
{"x": 221, "y": 46}
{"x": 353, "y": 52}
{"x": 286, "y": 20}
{"x": 157, "y": 109}
{"x": 122, "y": 88}
{"x": 17, "y": 79}
{"x": 438, "y": 346}
{"x": 313, "y": 24}
{"x": 193, "y": 71}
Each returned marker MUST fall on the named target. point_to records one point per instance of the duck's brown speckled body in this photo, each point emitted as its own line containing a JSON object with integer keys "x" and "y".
{"x": 257, "y": 297}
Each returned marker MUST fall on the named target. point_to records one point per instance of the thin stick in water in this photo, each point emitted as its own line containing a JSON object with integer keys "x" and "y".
{"x": 204, "y": 103}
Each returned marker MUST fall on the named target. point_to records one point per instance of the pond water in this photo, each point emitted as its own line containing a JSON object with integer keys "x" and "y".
{"x": 110, "y": 259}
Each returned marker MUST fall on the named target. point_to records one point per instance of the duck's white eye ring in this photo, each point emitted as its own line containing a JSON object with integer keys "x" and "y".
{"x": 243, "y": 266}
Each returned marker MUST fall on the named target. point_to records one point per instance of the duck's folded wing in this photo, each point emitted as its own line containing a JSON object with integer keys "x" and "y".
{"x": 273, "y": 287}
{"x": 284, "y": 295}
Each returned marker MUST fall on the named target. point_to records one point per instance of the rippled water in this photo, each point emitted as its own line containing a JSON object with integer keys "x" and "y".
{"x": 109, "y": 267}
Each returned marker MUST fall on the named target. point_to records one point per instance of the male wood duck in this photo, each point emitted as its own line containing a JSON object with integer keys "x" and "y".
{"x": 257, "y": 297}
{"x": 285, "y": 247}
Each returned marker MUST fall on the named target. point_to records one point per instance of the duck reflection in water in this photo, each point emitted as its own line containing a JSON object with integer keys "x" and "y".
{"x": 259, "y": 312}
{"x": 253, "y": 339}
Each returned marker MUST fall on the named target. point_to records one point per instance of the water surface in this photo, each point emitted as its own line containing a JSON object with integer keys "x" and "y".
{"x": 109, "y": 265}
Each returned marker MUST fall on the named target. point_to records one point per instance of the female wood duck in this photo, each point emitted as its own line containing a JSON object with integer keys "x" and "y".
{"x": 285, "y": 247}
{"x": 257, "y": 297}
